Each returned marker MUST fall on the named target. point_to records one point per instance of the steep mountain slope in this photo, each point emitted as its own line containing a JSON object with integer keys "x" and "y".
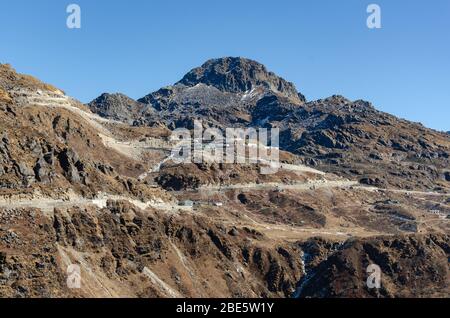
{"x": 350, "y": 138}
{"x": 126, "y": 252}
{"x": 80, "y": 189}
{"x": 50, "y": 143}
{"x": 405, "y": 263}
{"x": 357, "y": 141}
{"x": 70, "y": 193}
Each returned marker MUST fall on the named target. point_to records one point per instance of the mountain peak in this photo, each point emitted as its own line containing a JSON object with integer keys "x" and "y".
{"x": 116, "y": 106}
{"x": 239, "y": 75}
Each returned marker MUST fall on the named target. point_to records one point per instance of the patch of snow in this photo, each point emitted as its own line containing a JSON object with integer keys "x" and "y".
{"x": 249, "y": 94}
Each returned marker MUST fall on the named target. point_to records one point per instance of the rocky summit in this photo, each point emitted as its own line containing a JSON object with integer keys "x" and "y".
{"x": 239, "y": 75}
{"x": 94, "y": 187}
{"x": 117, "y": 106}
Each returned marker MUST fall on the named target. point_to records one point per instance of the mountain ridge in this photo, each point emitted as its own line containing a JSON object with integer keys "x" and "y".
{"x": 78, "y": 188}
{"x": 332, "y": 133}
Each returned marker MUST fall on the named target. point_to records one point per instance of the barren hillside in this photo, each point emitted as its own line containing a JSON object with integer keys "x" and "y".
{"x": 95, "y": 185}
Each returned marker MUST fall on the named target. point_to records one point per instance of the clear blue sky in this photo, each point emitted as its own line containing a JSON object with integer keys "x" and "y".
{"x": 324, "y": 47}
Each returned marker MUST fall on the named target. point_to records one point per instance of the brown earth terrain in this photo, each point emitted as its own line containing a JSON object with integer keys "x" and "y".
{"x": 99, "y": 189}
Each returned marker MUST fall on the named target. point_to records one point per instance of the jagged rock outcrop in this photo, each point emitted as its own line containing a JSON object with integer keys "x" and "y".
{"x": 117, "y": 106}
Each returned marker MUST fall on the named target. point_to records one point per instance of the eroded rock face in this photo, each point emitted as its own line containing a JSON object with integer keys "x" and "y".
{"x": 192, "y": 255}
{"x": 197, "y": 257}
{"x": 44, "y": 168}
{"x": 25, "y": 173}
{"x": 71, "y": 164}
{"x": 411, "y": 266}
{"x": 177, "y": 182}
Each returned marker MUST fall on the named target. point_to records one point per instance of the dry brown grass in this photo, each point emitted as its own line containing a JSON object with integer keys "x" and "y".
{"x": 30, "y": 81}
{"x": 4, "y": 96}
{"x": 9, "y": 76}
